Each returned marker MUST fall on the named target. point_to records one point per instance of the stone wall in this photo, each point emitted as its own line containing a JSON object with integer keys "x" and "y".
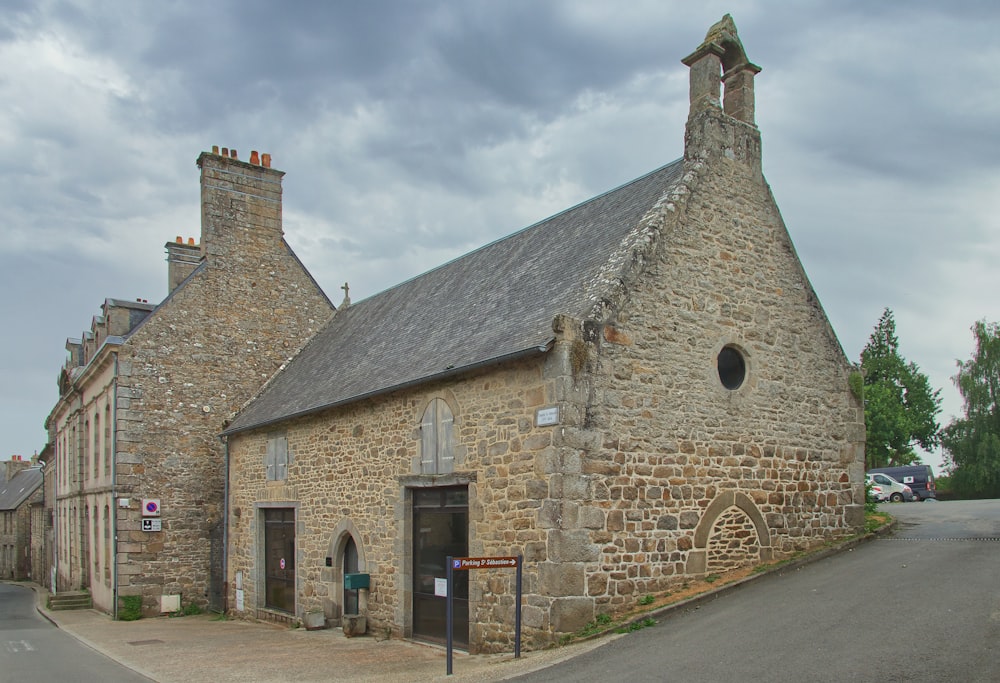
{"x": 351, "y": 470}
{"x": 691, "y": 477}
{"x": 205, "y": 351}
{"x": 15, "y": 539}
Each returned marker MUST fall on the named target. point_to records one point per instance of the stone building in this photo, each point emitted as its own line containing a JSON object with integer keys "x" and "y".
{"x": 20, "y": 491}
{"x": 638, "y": 390}
{"x": 41, "y": 540}
{"x": 139, "y": 467}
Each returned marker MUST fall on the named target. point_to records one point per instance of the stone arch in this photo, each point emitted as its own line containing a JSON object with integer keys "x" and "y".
{"x": 698, "y": 557}
{"x": 341, "y": 534}
{"x": 446, "y": 395}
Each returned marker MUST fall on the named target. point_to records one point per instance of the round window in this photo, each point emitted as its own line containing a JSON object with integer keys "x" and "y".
{"x": 732, "y": 368}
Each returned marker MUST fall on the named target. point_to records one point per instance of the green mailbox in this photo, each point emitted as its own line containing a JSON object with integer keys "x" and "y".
{"x": 355, "y": 581}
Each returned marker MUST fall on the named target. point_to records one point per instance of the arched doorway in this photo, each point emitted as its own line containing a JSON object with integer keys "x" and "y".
{"x": 350, "y": 597}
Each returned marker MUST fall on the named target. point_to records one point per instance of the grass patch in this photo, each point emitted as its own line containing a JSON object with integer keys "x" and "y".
{"x": 647, "y": 600}
{"x": 187, "y": 610}
{"x": 130, "y": 608}
{"x": 637, "y": 625}
{"x": 875, "y": 521}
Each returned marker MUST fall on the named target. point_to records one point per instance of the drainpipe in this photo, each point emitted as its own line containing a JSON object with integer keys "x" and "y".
{"x": 225, "y": 528}
{"x": 114, "y": 490}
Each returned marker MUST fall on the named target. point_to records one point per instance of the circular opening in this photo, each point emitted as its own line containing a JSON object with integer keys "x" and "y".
{"x": 732, "y": 368}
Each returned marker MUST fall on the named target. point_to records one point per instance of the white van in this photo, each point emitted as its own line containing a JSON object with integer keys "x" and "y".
{"x": 892, "y": 490}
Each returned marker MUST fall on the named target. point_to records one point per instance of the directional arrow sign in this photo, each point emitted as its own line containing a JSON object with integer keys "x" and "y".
{"x": 459, "y": 563}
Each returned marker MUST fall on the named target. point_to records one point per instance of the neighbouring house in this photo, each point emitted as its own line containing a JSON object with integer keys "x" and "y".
{"x": 41, "y": 527}
{"x": 145, "y": 392}
{"x": 639, "y": 390}
{"x": 20, "y": 491}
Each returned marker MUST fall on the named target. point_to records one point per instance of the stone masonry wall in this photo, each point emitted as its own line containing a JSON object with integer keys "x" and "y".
{"x": 350, "y": 468}
{"x": 783, "y": 451}
{"x": 197, "y": 359}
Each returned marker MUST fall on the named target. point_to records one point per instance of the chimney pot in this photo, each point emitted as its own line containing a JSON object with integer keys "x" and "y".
{"x": 265, "y": 160}
{"x": 179, "y": 239}
{"x": 225, "y": 151}
{"x": 215, "y": 149}
{"x": 232, "y": 153}
{"x": 191, "y": 241}
{"x": 254, "y": 159}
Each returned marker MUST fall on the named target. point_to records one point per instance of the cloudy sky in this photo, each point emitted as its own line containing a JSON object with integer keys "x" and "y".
{"x": 413, "y": 132}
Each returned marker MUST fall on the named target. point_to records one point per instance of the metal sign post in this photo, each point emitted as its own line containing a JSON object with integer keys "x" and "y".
{"x": 448, "y": 610}
{"x": 465, "y": 563}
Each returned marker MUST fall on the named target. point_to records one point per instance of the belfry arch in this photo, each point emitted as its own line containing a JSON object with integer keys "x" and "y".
{"x": 721, "y": 60}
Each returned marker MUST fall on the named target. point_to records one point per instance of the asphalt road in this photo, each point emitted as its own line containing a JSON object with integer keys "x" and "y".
{"x": 920, "y": 605}
{"x": 32, "y": 649}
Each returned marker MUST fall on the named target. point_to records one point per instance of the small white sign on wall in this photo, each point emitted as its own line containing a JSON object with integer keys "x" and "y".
{"x": 239, "y": 600}
{"x": 441, "y": 587}
{"x": 547, "y": 416}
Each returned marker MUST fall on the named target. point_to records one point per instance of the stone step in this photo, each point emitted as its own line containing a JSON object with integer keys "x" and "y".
{"x": 75, "y": 600}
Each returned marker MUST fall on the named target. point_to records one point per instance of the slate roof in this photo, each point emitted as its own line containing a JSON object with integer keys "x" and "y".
{"x": 20, "y": 487}
{"x": 492, "y": 304}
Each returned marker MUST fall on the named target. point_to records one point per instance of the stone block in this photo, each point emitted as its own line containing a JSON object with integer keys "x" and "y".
{"x": 572, "y": 546}
{"x": 355, "y": 625}
{"x": 571, "y": 614}
{"x": 560, "y": 579}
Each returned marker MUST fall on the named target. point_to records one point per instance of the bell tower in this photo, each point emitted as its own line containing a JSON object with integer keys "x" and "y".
{"x": 720, "y": 65}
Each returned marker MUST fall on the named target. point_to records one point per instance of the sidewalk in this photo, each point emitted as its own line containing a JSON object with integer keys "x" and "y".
{"x": 204, "y": 648}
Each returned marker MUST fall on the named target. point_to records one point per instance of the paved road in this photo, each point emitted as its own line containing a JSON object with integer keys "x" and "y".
{"x": 32, "y": 649}
{"x": 921, "y": 605}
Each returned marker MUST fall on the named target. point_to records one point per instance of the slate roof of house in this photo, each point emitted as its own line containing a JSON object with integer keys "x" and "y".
{"x": 495, "y": 303}
{"x": 20, "y": 487}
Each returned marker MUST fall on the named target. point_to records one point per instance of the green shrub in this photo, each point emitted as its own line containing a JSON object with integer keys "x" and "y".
{"x": 871, "y": 505}
{"x": 130, "y": 607}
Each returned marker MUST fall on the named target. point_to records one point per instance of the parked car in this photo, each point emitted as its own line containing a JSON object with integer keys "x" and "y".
{"x": 920, "y": 478}
{"x": 891, "y": 489}
{"x": 876, "y": 493}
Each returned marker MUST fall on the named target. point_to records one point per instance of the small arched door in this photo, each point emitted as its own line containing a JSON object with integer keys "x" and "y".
{"x": 350, "y": 567}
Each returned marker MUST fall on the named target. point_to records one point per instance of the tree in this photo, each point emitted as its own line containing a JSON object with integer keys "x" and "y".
{"x": 972, "y": 443}
{"x": 900, "y": 408}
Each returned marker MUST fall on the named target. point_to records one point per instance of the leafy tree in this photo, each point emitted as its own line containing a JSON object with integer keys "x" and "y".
{"x": 972, "y": 443}
{"x": 900, "y": 408}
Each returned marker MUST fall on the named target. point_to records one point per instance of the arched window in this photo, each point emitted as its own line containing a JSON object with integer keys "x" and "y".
{"x": 437, "y": 451}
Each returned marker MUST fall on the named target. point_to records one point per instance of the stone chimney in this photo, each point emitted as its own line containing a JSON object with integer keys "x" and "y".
{"x": 726, "y": 129}
{"x": 15, "y": 465}
{"x": 182, "y": 259}
{"x": 240, "y": 209}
